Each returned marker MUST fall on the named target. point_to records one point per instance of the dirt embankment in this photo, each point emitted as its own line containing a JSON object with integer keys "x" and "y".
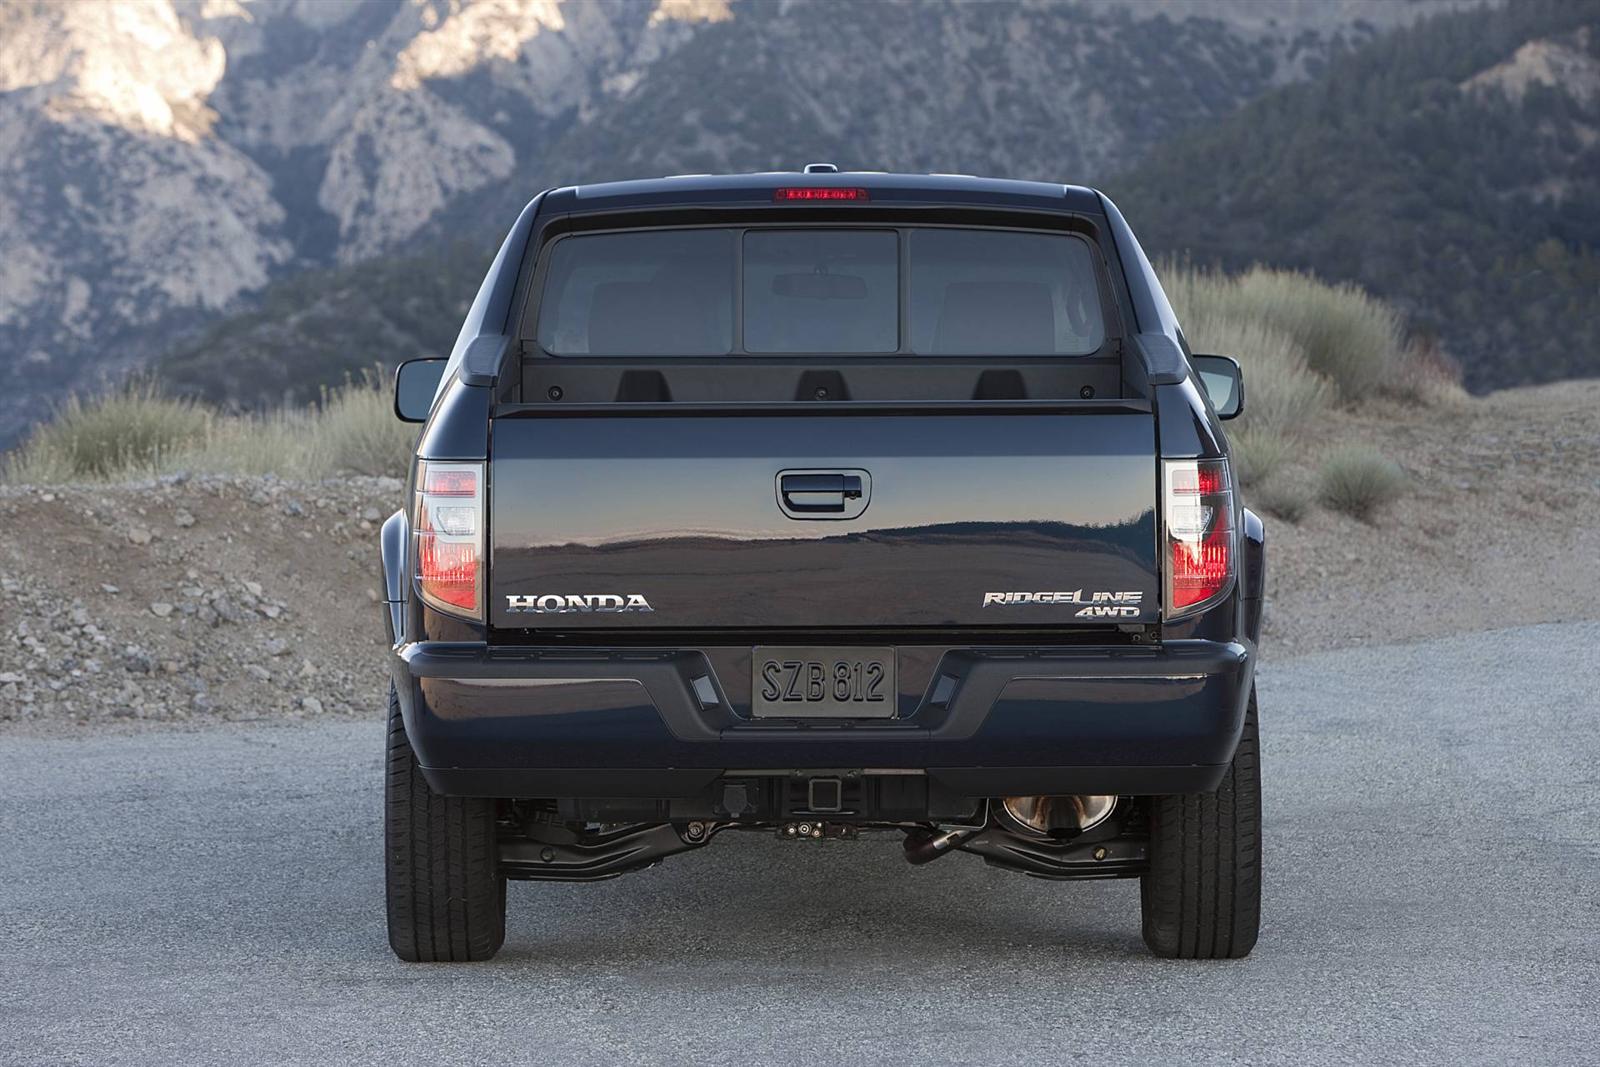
{"x": 201, "y": 598}
{"x": 1498, "y": 526}
{"x": 223, "y": 598}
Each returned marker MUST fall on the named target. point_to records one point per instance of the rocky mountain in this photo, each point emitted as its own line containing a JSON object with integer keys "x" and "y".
{"x": 1452, "y": 168}
{"x": 161, "y": 161}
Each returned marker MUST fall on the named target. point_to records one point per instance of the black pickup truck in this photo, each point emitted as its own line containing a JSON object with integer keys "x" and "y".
{"x": 820, "y": 504}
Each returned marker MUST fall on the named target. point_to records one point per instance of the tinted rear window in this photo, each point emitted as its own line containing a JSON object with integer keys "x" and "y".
{"x": 967, "y": 292}
{"x": 650, "y": 293}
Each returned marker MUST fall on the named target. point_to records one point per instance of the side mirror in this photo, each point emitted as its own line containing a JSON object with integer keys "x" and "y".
{"x": 1223, "y": 383}
{"x": 415, "y": 383}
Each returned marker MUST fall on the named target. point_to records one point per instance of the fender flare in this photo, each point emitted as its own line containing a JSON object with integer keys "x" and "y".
{"x": 1253, "y": 572}
{"x": 394, "y": 539}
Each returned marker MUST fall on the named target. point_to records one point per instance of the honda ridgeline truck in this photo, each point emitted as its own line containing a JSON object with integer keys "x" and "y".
{"x": 821, "y": 504}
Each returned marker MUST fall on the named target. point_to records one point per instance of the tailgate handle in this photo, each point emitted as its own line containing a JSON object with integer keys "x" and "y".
{"x": 823, "y": 494}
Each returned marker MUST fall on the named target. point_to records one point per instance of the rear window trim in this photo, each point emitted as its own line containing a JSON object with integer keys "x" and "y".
{"x": 1110, "y": 311}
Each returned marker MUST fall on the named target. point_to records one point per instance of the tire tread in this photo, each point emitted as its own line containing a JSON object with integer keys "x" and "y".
{"x": 1201, "y": 897}
{"x": 446, "y": 896}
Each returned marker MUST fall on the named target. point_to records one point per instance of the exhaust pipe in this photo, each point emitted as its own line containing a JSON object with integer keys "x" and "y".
{"x": 925, "y": 846}
{"x": 1038, "y": 818}
{"x": 1051, "y": 817}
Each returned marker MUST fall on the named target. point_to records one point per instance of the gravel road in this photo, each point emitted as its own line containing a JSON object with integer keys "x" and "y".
{"x": 213, "y": 896}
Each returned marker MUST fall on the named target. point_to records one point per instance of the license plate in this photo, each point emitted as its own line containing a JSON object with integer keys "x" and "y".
{"x": 831, "y": 683}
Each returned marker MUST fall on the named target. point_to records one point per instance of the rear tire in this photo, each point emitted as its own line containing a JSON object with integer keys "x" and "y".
{"x": 446, "y": 896}
{"x": 1201, "y": 898}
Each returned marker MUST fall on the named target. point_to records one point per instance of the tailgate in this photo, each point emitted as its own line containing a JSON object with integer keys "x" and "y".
{"x": 815, "y": 522}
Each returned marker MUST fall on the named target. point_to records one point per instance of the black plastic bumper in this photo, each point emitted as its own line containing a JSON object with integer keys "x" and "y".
{"x": 980, "y": 721}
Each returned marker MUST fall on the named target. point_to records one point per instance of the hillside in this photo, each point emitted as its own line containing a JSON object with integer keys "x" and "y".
{"x": 1452, "y": 168}
{"x": 207, "y": 598}
{"x": 161, "y": 162}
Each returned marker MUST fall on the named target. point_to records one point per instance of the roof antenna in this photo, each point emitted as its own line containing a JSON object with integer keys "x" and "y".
{"x": 822, "y": 168}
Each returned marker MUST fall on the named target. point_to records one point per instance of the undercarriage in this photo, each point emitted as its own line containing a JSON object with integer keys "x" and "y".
{"x": 1061, "y": 838}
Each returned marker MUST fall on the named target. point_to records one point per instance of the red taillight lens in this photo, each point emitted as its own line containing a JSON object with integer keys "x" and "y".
{"x": 449, "y": 481}
{"x": 449, "y": 535}
{"x": 812, "y": 192}
{"x": 1199, "y": 534}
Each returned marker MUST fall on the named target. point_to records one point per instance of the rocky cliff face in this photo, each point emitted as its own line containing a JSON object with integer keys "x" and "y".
{"x": 161, "y": 159}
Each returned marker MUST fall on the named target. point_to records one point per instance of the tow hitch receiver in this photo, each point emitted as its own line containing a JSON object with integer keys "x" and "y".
{"x": 818, "y": 831}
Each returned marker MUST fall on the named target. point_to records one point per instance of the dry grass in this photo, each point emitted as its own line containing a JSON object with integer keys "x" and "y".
{"x": 1348, "y": 336}
{"x": 138, "y": 433}
{"x": 1303, "y": 345}
{"x": 1358, "y": 480}
{"x": 1259, "y": 452}
{"x": 1283, "y": 395}
{"x": 1279, "y": 497}
{"x": 1353, "y": 340}
{"x": 132, "y": 431}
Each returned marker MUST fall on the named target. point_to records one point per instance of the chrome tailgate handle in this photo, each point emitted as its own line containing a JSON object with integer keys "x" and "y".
{"x": 823, "y": 494}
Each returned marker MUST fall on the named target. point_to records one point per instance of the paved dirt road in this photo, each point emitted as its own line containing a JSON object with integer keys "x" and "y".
{"x": 1433, "y": 868}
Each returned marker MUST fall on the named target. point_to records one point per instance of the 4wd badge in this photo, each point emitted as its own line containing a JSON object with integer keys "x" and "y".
{"x": 1096, "y": 604}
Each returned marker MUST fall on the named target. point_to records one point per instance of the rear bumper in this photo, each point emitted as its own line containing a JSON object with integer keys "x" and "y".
{"x": 977, "y": 721}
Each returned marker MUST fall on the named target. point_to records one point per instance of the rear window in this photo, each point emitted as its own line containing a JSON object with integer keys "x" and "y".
{"x": 925, "y": 290}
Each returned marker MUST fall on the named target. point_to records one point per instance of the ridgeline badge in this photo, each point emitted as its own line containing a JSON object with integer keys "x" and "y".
{"x": 1095, "y": 604}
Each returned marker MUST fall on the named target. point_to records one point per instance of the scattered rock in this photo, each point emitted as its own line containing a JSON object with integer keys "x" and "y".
{"x": 190, "y": 633}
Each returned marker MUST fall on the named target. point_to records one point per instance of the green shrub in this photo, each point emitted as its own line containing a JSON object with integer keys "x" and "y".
{"x": 1279, "y": 497}
{"x": 135, "y": 430}
{"x": 1358, "y": 480}
{"x": 1348, "y": 336}
{"x": 1259, "y": 452}
{"x": 1352, "y": 339}
{"x": 1281, "y": 394}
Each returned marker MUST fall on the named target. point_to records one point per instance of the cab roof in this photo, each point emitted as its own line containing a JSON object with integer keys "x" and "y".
{"x": 689, "y": 190}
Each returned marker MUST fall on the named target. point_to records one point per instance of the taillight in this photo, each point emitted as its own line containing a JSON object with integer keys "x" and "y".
{"x": 1199, "y": 538}
{"x": 449, "y": 535}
